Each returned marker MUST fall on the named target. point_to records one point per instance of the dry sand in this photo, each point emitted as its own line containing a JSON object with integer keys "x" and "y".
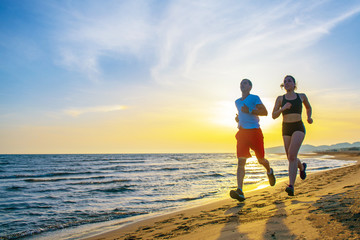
{"x": 326, "y": 206}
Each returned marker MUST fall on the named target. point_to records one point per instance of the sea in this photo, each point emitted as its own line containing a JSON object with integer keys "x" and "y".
{"x": 58, "y": 196}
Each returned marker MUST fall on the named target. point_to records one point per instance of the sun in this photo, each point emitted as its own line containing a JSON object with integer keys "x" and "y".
{"x": 224, "y": 114}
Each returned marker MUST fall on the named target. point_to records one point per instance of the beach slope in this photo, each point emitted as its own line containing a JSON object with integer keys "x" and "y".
{"x": 325, "y": 206}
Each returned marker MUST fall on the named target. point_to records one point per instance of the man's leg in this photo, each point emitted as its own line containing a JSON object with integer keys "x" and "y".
{"x": 265, "y": 163}
{"x": 258, "y": 146}
{"x": 269, "y": 171}
{"x": 241, "y": 172}
{"x": 238, "y": 193}
{"x": 242, "y": 153}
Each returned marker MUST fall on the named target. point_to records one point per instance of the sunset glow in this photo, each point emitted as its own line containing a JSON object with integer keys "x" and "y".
{"x": 162, "y": 76}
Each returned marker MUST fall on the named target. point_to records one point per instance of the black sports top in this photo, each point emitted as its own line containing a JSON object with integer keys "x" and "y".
{"x": 296, "y": 105}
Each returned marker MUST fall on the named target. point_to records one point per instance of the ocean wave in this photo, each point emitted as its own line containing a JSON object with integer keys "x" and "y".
{"x": 114, "y": 168}
{"x": 44, "y": 179}
{"x": 281, "y": 175}
{"x": 135, "y": 170}
{"x": 201, "y": 175}
{"x": 169, "y": 169}
{"x": 60, "y": 179}
{"x": 52, "y": 174}
{"x": 215, "y": 175}
{"x": 320, "y": 168}
{"x": 100, "y": 182}
{"x": 126, "y": 162}
{"x": 15, "y": 188}
{"x": 185, "y": 199}
{"x": 118, "y": 189}
{"x": 22, "y": 206}
{"x": 82, "y": 218}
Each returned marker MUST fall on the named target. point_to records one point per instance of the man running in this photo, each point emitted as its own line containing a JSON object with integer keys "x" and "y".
{"x": 249, "y": 108}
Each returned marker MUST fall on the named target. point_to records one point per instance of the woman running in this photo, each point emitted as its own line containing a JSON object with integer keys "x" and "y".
{"x": 293, "y": 129}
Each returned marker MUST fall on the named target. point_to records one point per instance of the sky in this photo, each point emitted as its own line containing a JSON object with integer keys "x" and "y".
{"x": 159, "y": 76}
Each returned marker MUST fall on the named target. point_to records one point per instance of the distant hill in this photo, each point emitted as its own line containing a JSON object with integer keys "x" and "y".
{"x": 310, "y": 148}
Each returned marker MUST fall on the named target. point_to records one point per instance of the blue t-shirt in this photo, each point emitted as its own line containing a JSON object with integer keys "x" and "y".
{"x": 247, "y": 120}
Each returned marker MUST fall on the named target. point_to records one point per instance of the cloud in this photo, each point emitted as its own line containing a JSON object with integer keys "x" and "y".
{"x": 199, "y": 42}
{"x": 185, "y": 39}
{"x": 97, "y": 30}
{"x": 75, "y": 112}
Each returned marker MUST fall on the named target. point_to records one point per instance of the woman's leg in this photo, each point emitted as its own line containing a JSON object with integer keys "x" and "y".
{"x": 293, "y": 150}
{"x": 287, "y": 141}
{"x": 299, "y": 165}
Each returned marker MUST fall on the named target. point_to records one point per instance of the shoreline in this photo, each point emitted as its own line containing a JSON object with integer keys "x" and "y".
{"x": 325, "y": 200}
{"x": 89, "y": 231}
{"x": 345, "y": 155}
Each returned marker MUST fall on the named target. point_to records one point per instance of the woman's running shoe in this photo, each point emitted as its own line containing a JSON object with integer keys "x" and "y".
{"x": 290, "y": 190}
{"x": 303, "y": 173}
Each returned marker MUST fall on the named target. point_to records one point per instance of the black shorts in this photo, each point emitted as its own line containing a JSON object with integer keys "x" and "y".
{"x": 289, "y": 128}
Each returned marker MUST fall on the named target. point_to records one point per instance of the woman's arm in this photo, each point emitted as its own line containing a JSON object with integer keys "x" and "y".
{"x": 278, "y": 109}
{"x": 308, "y": 108}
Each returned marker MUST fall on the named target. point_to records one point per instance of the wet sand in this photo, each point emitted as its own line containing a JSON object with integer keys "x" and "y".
{"x": 326, "y": 206}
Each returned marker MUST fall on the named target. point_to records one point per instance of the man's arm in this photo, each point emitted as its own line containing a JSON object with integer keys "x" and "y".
{"x": 260, "y": 110}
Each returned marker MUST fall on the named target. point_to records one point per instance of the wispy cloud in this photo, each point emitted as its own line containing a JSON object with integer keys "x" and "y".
{"x": 187, "y": 38}
{"x": 223, "y": 38}
{"x": 99, "y": 30}
{"x": 75, "y": 112}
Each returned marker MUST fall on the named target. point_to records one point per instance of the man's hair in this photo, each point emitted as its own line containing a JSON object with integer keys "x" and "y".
{"x": 250, "y": 83}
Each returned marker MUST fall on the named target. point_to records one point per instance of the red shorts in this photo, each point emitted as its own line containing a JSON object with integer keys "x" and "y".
{"x": 250, "y": 138}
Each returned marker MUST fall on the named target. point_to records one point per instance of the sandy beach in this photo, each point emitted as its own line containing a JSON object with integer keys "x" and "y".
{"x": 326, "y": 206}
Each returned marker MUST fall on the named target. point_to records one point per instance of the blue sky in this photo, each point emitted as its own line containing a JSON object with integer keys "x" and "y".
{"x": 71, "y": 71}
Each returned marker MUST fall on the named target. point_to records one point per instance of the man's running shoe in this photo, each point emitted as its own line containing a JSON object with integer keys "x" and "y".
{"x": 303, "y": 173}
{"x": 271, "y": 177}
{"x": 237, "y": 194}
{"x": 290, "y": 190}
